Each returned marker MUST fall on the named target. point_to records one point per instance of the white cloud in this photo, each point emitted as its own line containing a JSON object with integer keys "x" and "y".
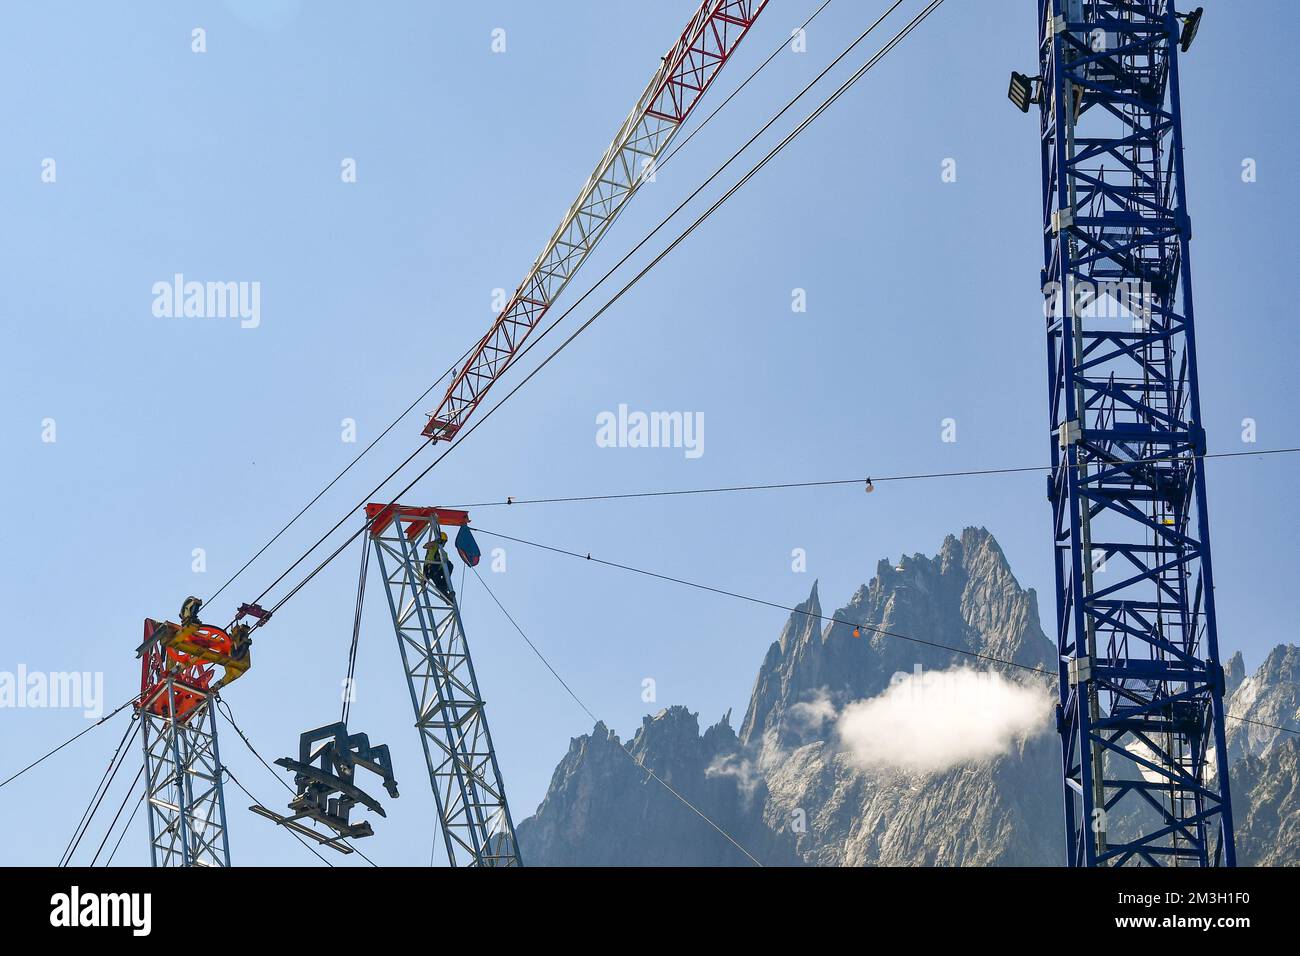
{"x": 812, "y": 714}
{"x": 739, "y": 769}
{"x": 937, "y": 719}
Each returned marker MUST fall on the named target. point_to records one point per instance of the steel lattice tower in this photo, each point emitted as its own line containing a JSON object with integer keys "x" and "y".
{"x": 1141, "y": 684}
{"x": 473, "y": 813}
{"x": 182, "y": 767}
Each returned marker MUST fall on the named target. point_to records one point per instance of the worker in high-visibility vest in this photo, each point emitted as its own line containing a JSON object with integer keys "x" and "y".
{"x": 190, "y": 611}
{"x": 434, "y": 555}
{"x": 240, "y": 641}
{"x": 239, "y": 659}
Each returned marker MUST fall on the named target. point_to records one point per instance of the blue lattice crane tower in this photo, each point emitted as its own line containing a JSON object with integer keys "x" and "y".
{"x": 1141, "y": 685}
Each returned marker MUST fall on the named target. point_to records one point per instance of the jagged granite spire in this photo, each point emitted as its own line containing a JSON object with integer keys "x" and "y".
{"x": 965, "y": 597}
{"x": 1234, "y": 672}
{"x": 1270, "y": 696}
{"x": 603, "y": 809}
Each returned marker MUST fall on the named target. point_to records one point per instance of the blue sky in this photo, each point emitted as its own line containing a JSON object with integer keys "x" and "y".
{"x": 176, "y": 434}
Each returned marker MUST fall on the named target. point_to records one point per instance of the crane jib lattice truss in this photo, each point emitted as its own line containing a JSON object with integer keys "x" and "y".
{"x": 683, "y": 76}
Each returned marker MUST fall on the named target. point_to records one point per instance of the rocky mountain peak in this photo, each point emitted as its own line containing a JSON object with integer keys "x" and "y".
{"x": 608, "y": 788}
{"x": 964, "y": 597}
{"x": 1234, "y": 672}
{"x": 1271, "y": 695}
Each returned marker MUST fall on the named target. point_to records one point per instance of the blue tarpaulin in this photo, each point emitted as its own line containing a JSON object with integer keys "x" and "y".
{"x": 467, "y": 546}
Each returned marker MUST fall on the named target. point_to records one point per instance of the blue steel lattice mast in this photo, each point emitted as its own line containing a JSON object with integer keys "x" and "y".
{"x": 1141, "y": 684}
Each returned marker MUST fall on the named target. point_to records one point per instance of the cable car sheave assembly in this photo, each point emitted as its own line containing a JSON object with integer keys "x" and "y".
{"x": 325, "y": 773}
{"x": 1139, "y": 669}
